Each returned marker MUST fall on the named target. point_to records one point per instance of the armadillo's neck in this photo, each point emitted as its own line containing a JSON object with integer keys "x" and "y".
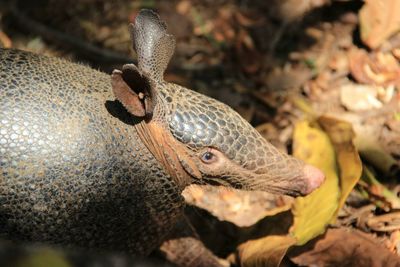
{"x": 156, "y": 135}
{"x": 165, "y": 149}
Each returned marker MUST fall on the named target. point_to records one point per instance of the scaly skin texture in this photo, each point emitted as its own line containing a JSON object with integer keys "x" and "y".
{"x": 79, "y": 168}
{"x": 199, "y": 121}
{"x": 70, "y": 172}
{"x": 243, "y": 158}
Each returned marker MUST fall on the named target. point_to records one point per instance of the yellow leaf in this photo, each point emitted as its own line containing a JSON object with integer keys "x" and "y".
{"x": 341, "y": 135}
{"x": 314, "y": 212}
{"x": 265, "y": 252}
{"x": 44, "y": 257}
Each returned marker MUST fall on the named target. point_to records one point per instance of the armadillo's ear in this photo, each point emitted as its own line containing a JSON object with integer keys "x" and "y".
{"x": 154, "y": 47}
{"x": 133, "y": 90}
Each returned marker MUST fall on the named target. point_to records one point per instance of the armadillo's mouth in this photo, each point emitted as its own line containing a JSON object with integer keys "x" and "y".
{"x": 280, "y": 190}
{"x": 306, "y": 180}
{"x": 273, "y": 189}
{"x": 217, "y": 181}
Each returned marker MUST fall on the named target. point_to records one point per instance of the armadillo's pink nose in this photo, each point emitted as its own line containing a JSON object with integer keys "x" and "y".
{"x": 314, "y": 178}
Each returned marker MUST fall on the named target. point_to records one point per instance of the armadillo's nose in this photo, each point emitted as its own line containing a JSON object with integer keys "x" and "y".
{"x": 314, "y": 178}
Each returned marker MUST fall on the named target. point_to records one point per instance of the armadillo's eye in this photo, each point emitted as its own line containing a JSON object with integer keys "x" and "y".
{"x": 208, "y": 157}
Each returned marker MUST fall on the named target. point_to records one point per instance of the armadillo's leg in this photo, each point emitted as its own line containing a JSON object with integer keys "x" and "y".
{"x": 185, "y": 249}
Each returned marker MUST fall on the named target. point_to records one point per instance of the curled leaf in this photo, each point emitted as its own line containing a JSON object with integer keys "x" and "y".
{"x": 345, "y": 247}
{"x": 385, "y": 223}
{"x": 314, "y": 212}
{"x": 374, "y": 68}
{"x": 265, "y": 252}
{"x": 341, "y": 135}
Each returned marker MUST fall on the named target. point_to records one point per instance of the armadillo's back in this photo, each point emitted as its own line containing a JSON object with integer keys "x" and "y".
{"x": 73, "y": 170}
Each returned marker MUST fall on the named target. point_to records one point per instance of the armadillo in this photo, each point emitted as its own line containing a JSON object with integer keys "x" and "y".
{"x": 100, "y": 161}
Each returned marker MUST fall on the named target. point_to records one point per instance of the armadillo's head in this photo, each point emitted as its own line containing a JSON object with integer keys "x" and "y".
{"x": 195, "y": 137}
{"x": 227, "y": 150}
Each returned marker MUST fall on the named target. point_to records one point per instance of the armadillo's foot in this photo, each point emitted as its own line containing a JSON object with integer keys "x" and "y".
{"x": 190, "y": 252}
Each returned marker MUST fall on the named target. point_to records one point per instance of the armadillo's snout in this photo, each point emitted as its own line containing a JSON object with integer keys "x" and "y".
{"x": 314, "y": 178}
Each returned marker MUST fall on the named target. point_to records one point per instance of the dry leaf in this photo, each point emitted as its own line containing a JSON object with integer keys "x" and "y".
{"x": 291, "y": 10}
{"x": 357, "y": 97}
{"x": 375, "y": 68}
{"x": 379, "y": 19}
{"x": 378, "y": 191}
{"x": 288, "y": 78}
{"x": 239, "y": 207}
{"x": 341, "y": 135}
{"x": 394, "y": 243}
{"x": 368, "y": 141}
{"x": 248, "y": 55}
{"x": 370, "y": 149}
{"x": 5, "y": 41}
{"x": 385, "y": 223}
{"x": 248, "y": 19}
{"x": 314, "y": 212}
{"x": 183, "y": 7}
{"x": 265, "y": 252}
{"x": 344, "y": 247}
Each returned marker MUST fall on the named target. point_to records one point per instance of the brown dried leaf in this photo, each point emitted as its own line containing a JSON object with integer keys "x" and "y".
{"x": 342, "y": 135}
{"x": 358, "y": 97}
{"x": 394, "y": 243}
{"x": 247, "y": 19}
{"x": 291, "y": 10}
{"x": 183, "y": 7}
{"x": 379, "y": 19}
{"x": 287, "y": 78}
{"x": 5, "y": 41}
{"x": 370, "y": 149}
{"x": 344, "y": 247}
{"x": 265, "y": 252}
{"x": 224, "y": 29}
{"x": 385, "y": 223}
{"x": 339, "y": 62}
{"x": 249, "y": 57}
{"x": 376, "y": 68}
{"x": 313, "y": 212}
{"x": 239, "y": 207}
{"x": 384, "y": 197}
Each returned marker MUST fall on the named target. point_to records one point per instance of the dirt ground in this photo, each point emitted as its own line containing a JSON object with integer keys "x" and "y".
{"x": 278, "y": 63}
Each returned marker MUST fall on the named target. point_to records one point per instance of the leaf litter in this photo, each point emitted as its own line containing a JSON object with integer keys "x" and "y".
{"x": 295, "y": 69}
